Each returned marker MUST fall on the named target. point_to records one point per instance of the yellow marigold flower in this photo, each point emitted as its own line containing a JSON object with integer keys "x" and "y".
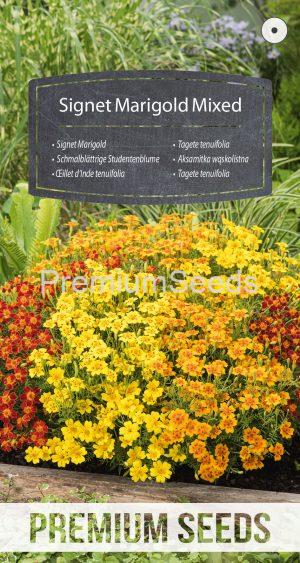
{"x": 76, "y": 384}
{"x": 61, "y": 457}
{"x": 153, "y": 422}
{"x": 52, "y": 242}
{"x": 209, "y": 471}
{"x": 222, "y": 456}
{"x": 84, "y": 406}
{"x": 37, "y": 371}
{"x": 226, "y": 410}
{"x": 56, "y": 376}
{"x": 245, "y": 453}
{"x": 61, "y": 395}
{"x": 33, "y": 455}
{"x": 176, "y": 454}
{"x": 154, "y": 452}
{"x": 253, "y": 462}
{"x": 215, "y": 432}
{"x": 49, "y": 404}
{"x": 161, "y": 471}
{"x": 77, "y": 453}
{"x": 71, "y": 428}
{"x": 248, "y": 401}
{"x": 135, "y": 454}
{"x": 45, "y": 453}
{"x": 138, "y": 471}
{"x": 104, "y": 449}
{"x": 179, "y": 418}
{"x": 273, "y": 399}
{"x": 86, "y": 431}
{"x": 129, "y": 432}
{"x": 52, "y": 443}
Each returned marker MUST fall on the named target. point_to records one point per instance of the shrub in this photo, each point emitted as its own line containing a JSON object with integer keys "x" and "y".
{"x": 154, "y": 378}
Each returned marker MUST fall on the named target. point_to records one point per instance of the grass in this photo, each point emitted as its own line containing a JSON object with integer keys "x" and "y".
{"x": 59, "y": 36}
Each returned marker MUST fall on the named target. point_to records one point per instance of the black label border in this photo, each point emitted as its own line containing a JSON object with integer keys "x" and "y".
{"x": 36, "y": 85}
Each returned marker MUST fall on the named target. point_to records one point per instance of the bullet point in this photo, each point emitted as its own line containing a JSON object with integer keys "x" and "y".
{"x": 52, "y": 159}
{"x": 173, "y": 159}
{"x": 173, "y": 173}
{"x": 53, "y": 145}
{"x": 52, "y": 173}
{"x": 174, "y": 145}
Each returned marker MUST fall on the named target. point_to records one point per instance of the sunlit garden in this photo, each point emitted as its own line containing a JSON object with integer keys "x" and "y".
{"x": 104, "y": 367}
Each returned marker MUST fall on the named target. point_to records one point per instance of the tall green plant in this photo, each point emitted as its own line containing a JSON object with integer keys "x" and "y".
{"x": 61, "y": 36}
{"x": 23, "y": 229}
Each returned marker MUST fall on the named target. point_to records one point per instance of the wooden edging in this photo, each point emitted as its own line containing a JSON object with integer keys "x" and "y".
{"x": 26, "y": 485}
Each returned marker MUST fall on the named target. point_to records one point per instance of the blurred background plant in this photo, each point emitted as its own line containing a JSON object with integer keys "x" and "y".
{"x": 43, "y": 38}
{"x": 49, "y": 37}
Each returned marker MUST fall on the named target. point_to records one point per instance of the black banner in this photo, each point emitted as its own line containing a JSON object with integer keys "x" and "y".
{"x": 140, "y": 137}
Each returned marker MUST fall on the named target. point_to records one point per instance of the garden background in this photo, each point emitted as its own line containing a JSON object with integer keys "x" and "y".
{"x": 52, "y": 37}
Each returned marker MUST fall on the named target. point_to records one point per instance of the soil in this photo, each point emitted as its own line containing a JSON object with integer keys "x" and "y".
{"x": 280, "y": 476}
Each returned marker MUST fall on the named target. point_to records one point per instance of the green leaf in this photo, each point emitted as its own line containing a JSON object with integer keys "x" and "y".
{"x": 22, "y": 217}
{"x": 9, "y": 248}
{"x": 47, "y": 218}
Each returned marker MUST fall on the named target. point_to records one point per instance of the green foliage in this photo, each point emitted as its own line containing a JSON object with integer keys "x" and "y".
{"x": 61, "y": 36}
{"x": 286, "y": 113}
{"x": 286, "y": 116}
{"x": 24, "y": 226}
{"x": 151, "y": 558}
{"x": 289, "y": 11}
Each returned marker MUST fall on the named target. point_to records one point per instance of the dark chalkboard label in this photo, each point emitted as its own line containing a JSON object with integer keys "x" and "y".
{"x": 150, "y": 137}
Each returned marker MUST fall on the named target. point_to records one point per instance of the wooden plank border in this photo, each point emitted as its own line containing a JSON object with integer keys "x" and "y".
{"x": 27, "y": 483}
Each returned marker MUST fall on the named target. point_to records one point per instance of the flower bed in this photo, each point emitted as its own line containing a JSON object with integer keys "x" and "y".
{"x": 147, "y": 378}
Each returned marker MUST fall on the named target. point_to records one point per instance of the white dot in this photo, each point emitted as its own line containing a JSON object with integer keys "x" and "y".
{"x": 274, "y": 30}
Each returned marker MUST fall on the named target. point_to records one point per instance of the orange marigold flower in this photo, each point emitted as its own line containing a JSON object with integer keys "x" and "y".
{"x": 259, "y": 446}
{"x": 248, "y": 401}
{"x": 222, "y": 454}
{"x": 277, "y": 450}
{"x": 228, "y": 424}
{"x": 215, "y": 432}
{"x": 216, "y": 368}
{"x": 179, "y": 417}
{"x": 204, "y": 430}
{"x": 286, "y": 430}
{"x": 198, "y": 449}
{"x": 250, "y": 435}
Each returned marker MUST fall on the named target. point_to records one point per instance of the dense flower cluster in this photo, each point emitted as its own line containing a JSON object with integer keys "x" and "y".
{"x": 20, "y": 332}
{"x": 149, "y": 378}
{"x": 278, "y": 326}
